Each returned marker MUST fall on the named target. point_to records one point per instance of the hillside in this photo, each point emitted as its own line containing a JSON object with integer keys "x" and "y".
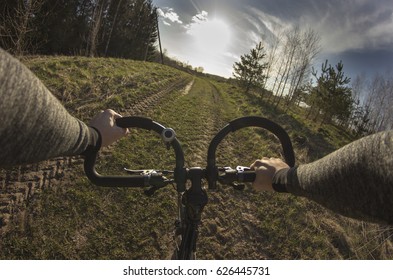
{"x": 51, "y": 211}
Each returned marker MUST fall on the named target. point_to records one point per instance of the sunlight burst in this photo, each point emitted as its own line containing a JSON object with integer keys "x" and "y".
{"x": 211, "y": 35}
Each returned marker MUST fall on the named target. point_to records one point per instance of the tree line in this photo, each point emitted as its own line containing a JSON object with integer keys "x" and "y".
{"x": 373, "y": 103}
{"x": 116, "y": 28}
{"x": 281, "y": 71}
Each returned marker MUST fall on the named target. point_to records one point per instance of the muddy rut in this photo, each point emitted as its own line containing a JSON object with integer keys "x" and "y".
{"x": 229, "y": 226}
{"x": 20, "y": 185}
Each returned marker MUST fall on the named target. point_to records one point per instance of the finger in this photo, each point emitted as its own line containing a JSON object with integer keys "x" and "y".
{"x": 109, "y": 112}
{"x": 257, "y": 164}
{"x": 116, "y": 115}
{"x": 122, "y": 131}
{"x": 275, "y": 159}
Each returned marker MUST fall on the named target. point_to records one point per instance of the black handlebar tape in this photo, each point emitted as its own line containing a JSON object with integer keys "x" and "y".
{"x": 246, "y": 176}
{"x": 110, "y": 181}
{"x": 138, "y": 122}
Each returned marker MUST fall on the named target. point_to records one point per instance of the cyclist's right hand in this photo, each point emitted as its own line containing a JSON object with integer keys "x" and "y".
{"x": 265, "y": 169}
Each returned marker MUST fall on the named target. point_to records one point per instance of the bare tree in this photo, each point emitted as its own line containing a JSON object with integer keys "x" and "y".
{"x": 292, "y": 43}
{"x": 17, "y": 24}
{"x": 292, "y": 52}
{"x": 113, "y": 26}
{"x": 380, "y": 101}
{"x": 359, "y": 115}
{"x": 308, "y": 49}
{"x": 96, "y": 25}
{"x": 275, "y": 39}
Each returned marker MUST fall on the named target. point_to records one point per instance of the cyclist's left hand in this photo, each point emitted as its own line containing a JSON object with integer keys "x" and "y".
{"x": 105, "y": 122}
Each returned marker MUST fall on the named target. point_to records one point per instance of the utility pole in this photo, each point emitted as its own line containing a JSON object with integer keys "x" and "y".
{"x": 159, "y": 40}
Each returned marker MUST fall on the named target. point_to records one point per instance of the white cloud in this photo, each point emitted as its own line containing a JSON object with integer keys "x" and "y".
{"x": 362, "y": 26}
{"x": 260, "y": 26}
{"x": 263, "y": 21}
{"x": 197, "y": 20}
{"x": 169, "y": 14}
{"x": 201, "y": 17}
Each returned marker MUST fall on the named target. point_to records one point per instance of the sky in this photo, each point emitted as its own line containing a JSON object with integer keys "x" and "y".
{"x": 214, "y": 33}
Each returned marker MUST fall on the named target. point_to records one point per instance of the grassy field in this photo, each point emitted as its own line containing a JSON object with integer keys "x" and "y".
{"x": 74, "y": 219}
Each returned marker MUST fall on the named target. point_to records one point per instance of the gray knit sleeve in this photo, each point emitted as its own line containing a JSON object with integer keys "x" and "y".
{"x": 34, "y": 126}
{"x": 356, "y": 180}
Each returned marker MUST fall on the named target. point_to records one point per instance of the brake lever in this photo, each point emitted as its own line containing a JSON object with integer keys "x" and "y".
{"x": 241, "y": 169}
{"x": 154, "y": 178}
{"x": 140, "y": 172}
{"x": 230, "y": 176}
{"x": 238, "y": 168}
{"x": 147, "y": 171}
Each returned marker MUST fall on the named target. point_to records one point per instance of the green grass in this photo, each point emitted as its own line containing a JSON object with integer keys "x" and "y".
{"x": 76, "y": 220}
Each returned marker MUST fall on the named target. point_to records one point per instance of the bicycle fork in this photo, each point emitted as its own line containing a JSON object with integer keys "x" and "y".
{"x": 194, "y": 200}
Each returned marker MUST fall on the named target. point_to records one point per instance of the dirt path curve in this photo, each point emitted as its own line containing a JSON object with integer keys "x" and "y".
{"x": 229, "y": 225}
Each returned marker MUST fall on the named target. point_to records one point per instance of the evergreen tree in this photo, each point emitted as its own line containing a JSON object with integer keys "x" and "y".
{"x": 332, "y": 95}
{"x": 249, "y": 71}
{"x": 135, "y": 30}
{"x": 64, "y": 26}
{"x": 117, "y": 28}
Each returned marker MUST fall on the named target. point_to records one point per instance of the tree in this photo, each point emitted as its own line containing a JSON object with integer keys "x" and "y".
{"x": 360, "y": 116}
{"x": 307, "y": 51}
{"x": 249, "y": 71}
{"x": 17, "y": 25}
{"x": 199, "y": 69}
{"x": 96, "y": 25}
{"x": 117, "y": 28}
{"x": 297, "y": 51}
{"x": 332, "y": 97}
{"x": 291, "y": 47}
{"x": 275, "y": 40}
{"x": 135, "y": 30}
{"x": 379, "y": 101}
{"x": 112, "y": 26}
{"x": 65, "y": 26}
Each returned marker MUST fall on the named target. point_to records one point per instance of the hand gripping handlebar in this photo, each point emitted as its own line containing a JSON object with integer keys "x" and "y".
{"x": 252, "y": 121}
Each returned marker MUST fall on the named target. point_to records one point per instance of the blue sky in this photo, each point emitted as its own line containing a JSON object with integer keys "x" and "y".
{"x": 214, "y": 33}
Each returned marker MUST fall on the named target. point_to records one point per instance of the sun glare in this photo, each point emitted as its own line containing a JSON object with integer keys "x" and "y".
{"x": 211, "y": 36}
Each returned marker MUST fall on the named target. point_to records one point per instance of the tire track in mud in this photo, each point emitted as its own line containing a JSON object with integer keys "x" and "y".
{"x": 148, "y": 103}
{"x": 229, "y": 226}
{"x": 189, "y": 113}
{"x": 19, "y": 185}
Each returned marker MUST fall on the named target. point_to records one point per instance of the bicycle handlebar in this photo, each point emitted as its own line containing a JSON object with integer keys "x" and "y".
{"x": 240, "y": 123}
{"x": 212, "y": 173}
{"x": 168, "y": 136}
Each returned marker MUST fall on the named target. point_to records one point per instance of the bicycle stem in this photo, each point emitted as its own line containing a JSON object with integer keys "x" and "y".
{"x": 195, "y": 196}
{"x": 194, "y": 199}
